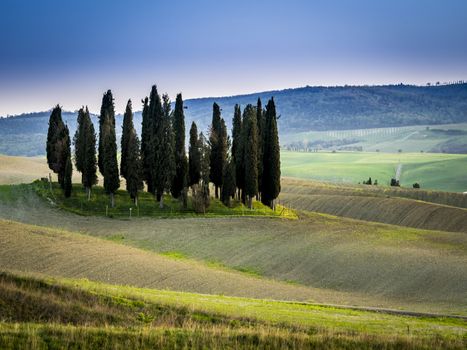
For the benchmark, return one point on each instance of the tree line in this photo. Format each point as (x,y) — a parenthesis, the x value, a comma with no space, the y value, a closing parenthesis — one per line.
(244,166)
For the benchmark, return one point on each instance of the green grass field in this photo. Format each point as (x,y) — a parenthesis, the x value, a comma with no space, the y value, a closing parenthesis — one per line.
(74,313)
(437,171)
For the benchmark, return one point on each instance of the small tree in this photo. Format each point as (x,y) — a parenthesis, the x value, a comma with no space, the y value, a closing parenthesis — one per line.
(416,185)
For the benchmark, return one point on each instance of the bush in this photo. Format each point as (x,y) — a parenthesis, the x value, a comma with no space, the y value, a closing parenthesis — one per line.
(416,185)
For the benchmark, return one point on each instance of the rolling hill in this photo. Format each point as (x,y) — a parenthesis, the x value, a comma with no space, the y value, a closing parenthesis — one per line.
(301,109)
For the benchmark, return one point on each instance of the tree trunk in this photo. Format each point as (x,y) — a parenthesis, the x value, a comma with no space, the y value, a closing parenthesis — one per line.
(161,202)
(136,200)
(112,200)
(217,192)
(250,202)
(88,192)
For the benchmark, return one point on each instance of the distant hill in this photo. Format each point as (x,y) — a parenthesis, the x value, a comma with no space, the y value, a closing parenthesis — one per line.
(301,109)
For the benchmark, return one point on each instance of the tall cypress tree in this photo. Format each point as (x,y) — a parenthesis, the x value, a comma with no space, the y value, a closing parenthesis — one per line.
(85,150)
(108,164)
(237,149)
(107,112)
(146,149)
(260,127)
(133,177)
(179,183)
(56,144)
(127,128)
(194,157)
(164,169)
(250,137)
(218,144)
(271,185)
(155,147)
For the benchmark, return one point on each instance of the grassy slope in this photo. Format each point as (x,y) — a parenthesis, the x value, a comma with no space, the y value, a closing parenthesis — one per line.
(373,203)
(435,171)
(67,312)
(369,264)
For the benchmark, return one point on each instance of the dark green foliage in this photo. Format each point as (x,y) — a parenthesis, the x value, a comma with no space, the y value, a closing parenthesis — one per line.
(228,183)
(107,113)
(181,164)
(395,182)
(147,152)
(416,185)
(131,165)
(260,126)
(85,150)
(237,148)
(201,198)
(127,128)
(108,164)
(218,144)
(134,181)
(57,142)
(194,157)
(271,184)
(67,185)
(164,166)
(250,137)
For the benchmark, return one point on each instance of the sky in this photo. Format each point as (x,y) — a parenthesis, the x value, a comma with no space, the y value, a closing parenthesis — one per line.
(70,52)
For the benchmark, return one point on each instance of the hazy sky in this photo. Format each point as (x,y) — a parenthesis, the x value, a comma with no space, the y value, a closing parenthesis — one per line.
(70,51)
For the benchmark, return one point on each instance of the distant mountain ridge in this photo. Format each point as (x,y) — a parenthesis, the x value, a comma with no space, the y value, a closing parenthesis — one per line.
(301,109)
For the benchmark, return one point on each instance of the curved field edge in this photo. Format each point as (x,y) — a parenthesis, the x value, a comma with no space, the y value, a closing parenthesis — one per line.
(87,313)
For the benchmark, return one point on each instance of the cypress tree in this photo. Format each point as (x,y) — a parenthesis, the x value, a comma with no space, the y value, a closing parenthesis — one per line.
(218,144)
(260,127)
(67,185)
(164,167)
(108,164)
(134,181)
(127,128)
(271,185)
(228,183)
(85,150)
(201,198)
(250,137)
(107,112)
(146,149)
(56,144)
(155,148)
(194,157)
(179,183)
(237,149)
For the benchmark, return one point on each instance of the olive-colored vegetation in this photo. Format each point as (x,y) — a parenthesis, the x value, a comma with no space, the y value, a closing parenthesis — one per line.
(63,313)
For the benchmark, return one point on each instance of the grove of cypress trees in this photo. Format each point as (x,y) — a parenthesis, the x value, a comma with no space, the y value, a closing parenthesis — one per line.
(127,128)
(218,143)
(85,150)
(56,144)
(108,164)
(237,149)
(164,170)
(250,137)
(271,185)
(179,183)
(194,157)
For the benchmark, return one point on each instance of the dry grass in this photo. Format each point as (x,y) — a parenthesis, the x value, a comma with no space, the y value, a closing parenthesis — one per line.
(82,314)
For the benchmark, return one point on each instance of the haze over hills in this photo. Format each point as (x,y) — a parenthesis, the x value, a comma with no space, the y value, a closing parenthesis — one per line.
(301,109)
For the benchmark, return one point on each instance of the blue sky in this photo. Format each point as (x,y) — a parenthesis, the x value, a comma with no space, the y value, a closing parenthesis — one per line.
(71,51)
